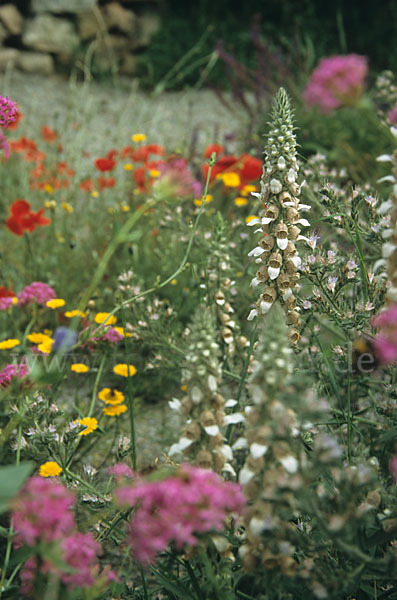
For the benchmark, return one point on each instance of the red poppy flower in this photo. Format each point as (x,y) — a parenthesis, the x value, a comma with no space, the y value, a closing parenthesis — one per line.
(217,148)
(141,179)
(24,219)
(106,182)
(87,185)
(48,134)
(225,163)
(6,292)
(251,168)
(105,164)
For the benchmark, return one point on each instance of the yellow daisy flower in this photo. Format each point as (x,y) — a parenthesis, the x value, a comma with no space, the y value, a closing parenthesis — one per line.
(230,179)
(103,316)
(90,423)
(46,345)
(114,411)
(124,370)
(198,201)
(111,396)
(128,167)
(250,218)
(67,207)
(79,368)
(8,344)
(240,201)
(55,303)
(247,189)
(138,137)
(122,332)
(50,469)
(75,313)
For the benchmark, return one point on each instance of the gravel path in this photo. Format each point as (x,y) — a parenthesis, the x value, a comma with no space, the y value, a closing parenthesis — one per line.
(96,114)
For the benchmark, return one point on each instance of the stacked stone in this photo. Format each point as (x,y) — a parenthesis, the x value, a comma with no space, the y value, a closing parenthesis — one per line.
(276,252)
(202,441)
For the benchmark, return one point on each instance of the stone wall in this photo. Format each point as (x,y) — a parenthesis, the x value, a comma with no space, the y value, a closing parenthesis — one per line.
(85,36)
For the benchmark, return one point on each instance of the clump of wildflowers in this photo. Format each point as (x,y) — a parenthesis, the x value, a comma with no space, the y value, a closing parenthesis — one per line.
(36,292)
(202,440)
(276,253)
(9,371)
(337,81)
(8,111)
(178,508)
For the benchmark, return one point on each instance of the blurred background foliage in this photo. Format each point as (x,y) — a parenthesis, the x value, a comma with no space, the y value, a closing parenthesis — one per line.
(297,30)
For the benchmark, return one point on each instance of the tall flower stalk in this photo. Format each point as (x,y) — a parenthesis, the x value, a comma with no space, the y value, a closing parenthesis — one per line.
(280,221)
(202,441)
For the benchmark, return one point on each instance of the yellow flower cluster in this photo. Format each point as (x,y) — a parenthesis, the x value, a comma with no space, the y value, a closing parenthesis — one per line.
(8,344)
(114,399)
(44,342)
(50,469)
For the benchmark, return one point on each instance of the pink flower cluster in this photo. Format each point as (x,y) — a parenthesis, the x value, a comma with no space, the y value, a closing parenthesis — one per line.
(191,502)
(8,111)
(336,81)
(386,341)
(176,180)
(36,292)
(10,371)
(120,471)
(42,512)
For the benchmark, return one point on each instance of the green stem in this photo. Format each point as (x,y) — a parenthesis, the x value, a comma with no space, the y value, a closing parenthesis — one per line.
(96,384)
(130,394)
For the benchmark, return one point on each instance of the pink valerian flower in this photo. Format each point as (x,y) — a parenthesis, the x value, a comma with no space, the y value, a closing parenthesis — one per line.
(4,145)
(176,180)
(121,470)
(337,81)
(175,509)
(80,552)
(36,292)
(112,335)
(8,111)
(42,511)
(386,341)
(10,371)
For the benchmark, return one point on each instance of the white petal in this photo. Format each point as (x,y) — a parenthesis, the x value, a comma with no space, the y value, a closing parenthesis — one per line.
(394,131)
(304,222)
(227,452)
(240,443)
(384,158)
(256,251)
(256,195)
(287,294)
(212,430)
(212,383)
(256,526)
(266,220)
(386,178)
(234,418)
(304,207)
(259,230)
(252,315)
(227,468)
(258,450)
(289,203)
(265,307)
(245,475)
(196,395)
(385,207)
(230,403)
(221,543)
(253,222)
(388,249)
(387,233)
(174,450)
(175,404)
(282,244)
(303,237)
(254,282)
(184,443)
(297,261)
(273,273)
(290,464)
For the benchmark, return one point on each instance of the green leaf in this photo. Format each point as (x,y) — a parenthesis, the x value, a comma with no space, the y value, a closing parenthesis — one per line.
(12,477)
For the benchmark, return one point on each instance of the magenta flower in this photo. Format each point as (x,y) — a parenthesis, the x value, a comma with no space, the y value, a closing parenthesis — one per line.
(36,292)
(121,470)
(11,371)
(386,341)
(80,552)
(4,145)
(336,81)
(175,509)
(8,111)
(42,511)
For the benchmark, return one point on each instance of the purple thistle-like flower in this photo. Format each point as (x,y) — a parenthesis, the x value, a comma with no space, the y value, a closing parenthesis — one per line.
(8,111)
(64,339)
